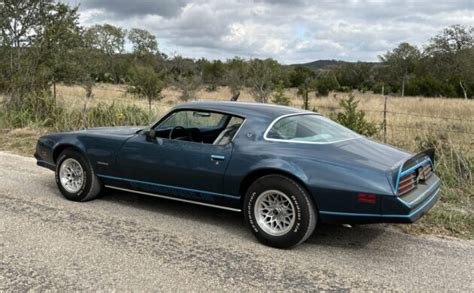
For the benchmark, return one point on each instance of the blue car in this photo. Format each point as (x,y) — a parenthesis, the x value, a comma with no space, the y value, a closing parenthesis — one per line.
(286,169)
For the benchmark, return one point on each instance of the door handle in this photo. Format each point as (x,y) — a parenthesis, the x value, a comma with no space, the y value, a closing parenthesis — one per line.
(217,158)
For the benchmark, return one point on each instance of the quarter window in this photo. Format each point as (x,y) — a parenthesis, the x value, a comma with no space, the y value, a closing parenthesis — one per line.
(309,128)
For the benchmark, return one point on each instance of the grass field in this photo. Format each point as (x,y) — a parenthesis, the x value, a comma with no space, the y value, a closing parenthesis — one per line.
(401,127)
(413,123)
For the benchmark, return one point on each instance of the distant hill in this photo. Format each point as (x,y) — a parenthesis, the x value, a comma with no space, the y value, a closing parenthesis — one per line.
(321,64)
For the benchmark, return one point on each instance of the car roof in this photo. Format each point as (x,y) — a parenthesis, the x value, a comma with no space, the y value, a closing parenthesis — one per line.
(269,111)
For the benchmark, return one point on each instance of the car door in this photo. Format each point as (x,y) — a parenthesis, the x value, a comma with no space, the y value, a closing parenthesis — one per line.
(185,169)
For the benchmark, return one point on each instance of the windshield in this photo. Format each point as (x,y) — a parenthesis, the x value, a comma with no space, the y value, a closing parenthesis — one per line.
(309,128)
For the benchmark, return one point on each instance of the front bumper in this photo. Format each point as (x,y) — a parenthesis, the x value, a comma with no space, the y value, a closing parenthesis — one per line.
(41,160)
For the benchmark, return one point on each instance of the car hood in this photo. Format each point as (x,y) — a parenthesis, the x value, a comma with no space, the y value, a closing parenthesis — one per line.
(123,130)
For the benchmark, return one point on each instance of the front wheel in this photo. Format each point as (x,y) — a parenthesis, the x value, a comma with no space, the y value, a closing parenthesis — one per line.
(279,211)
(75,177)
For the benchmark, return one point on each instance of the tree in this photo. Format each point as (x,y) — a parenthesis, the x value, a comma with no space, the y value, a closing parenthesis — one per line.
(212,73)
(20,22)
(189,86)
(235,74)
(451,40)
(110,40)
(324,84)
(451,52)
(260,76)
(184,76)
(146,83)
(60,37)
(304,79)
(107,38)
(84,66)
(402,61)
(144,43)
(300,75)
(279,95)
(356,75)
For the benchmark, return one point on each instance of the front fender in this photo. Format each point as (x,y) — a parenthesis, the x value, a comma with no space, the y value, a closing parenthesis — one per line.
(100,150)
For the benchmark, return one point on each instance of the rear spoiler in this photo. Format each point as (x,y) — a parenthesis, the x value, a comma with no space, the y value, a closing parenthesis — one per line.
(411,163)
(418,158)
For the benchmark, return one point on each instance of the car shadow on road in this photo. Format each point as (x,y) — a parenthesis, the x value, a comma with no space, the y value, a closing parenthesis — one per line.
(356,237)
(180,210)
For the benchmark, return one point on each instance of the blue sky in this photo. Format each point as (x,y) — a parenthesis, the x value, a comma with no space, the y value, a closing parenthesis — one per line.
(290,31)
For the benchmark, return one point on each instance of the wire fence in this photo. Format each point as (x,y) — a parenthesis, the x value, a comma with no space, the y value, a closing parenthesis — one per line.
(386,115)
(400,113)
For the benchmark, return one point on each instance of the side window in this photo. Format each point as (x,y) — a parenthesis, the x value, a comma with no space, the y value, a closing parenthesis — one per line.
(309,128)
(229,132)
(235,121)
(193,119)
(284,129)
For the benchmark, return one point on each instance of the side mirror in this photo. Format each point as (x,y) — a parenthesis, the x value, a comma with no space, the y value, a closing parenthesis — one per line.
(150,133)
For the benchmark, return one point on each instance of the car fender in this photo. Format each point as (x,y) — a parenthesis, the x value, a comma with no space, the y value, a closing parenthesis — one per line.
(65,143)
(262,168)
(281,166)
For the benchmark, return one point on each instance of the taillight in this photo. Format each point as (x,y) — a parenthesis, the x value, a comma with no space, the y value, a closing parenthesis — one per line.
(406,183)
(368,198)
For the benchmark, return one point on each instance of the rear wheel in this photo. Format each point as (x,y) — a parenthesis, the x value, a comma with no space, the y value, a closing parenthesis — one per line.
(75,177)
(279,211)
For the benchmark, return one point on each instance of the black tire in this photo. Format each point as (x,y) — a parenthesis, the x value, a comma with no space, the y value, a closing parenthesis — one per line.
(305,212)
(91,186)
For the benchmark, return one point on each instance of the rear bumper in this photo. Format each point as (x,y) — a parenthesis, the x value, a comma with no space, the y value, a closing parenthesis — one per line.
(397,210)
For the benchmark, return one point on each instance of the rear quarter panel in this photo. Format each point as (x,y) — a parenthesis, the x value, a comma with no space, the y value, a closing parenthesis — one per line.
(325,169)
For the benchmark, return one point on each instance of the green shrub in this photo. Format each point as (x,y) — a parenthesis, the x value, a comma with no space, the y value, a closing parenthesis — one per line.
(353,118)
(116,115)
(324,85)
(34,109)
(377,88)
(279,95)
(41,110)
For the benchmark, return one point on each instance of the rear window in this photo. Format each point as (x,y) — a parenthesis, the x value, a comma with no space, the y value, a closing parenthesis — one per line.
(309,128)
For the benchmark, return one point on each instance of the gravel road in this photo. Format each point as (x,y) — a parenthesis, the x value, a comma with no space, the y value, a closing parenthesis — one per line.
(131,242)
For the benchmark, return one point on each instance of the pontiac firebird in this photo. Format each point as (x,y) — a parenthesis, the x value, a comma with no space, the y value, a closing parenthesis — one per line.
(286,169)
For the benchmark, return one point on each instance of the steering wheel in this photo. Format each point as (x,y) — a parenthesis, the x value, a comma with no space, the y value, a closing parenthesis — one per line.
(170,136)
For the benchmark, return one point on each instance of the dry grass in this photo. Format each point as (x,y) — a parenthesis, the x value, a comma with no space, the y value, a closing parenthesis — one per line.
(21,141)
(409,119)
(401,129)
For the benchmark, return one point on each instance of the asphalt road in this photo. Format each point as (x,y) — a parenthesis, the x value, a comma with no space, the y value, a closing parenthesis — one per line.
(131,242)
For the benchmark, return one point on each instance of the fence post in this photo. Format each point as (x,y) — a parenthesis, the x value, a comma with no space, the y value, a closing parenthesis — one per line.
(384,115)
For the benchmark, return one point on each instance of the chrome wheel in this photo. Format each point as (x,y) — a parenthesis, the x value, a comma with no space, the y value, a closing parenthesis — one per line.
(71,175)
(274,212)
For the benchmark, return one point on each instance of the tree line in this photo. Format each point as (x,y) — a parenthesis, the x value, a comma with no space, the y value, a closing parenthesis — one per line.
(42,44)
